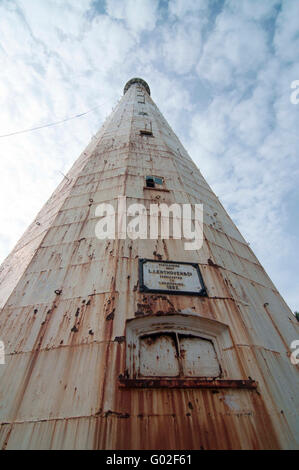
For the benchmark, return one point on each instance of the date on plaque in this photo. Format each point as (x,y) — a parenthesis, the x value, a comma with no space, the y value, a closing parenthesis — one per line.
(170,277)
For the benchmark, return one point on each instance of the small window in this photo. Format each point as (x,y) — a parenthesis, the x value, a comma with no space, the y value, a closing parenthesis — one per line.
(146,132)
(175,346)
(142,113)
(177,355)
(151,181)
(181,351)
(148,129)
(158,180)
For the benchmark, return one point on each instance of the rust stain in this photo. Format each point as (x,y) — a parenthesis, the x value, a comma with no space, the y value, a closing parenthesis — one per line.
(188,383)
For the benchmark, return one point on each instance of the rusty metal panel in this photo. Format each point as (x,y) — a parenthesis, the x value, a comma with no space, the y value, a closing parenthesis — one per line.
(198,357)
(170,356)
(158,356)
(187,383)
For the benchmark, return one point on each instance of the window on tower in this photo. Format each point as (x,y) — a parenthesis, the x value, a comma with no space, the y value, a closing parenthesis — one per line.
(146,132)
(177,355)
(152,181)
(148,129)
(141,99)
(180,351)
(174,346)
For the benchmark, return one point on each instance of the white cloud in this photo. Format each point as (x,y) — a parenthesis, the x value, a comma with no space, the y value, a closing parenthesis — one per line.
(178,54)
(254,9)
(53,22)
(286,38)
(180,8)
(139,16)
(236,47)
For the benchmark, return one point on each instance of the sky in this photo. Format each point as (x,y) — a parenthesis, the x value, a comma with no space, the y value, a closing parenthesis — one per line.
(220,71)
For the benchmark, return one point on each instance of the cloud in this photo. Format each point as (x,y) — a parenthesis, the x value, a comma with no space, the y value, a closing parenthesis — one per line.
(55,22)
(286,38)
(254,9)
(235,49)
(180,8)
(179,56)
(245,141)
(139,16)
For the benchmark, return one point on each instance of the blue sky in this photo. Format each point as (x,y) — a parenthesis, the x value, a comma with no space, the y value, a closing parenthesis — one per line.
(220,72)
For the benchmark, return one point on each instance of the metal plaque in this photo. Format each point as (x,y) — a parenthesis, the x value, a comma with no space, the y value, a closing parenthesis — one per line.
(170,277)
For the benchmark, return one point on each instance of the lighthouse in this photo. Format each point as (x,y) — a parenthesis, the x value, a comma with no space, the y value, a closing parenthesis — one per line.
(134,315)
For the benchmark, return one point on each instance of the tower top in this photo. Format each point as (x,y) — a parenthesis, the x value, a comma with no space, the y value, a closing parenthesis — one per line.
(137,80)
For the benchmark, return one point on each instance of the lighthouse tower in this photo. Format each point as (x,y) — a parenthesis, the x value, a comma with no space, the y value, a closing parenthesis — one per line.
(135,341)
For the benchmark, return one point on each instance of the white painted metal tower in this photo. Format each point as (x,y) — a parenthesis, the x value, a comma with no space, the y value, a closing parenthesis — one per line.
(100,353)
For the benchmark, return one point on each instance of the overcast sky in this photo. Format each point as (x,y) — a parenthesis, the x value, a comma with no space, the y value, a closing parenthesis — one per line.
(219,70)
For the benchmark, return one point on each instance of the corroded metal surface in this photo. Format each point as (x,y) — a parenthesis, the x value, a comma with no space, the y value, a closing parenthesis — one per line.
(67,296)
(193,383)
